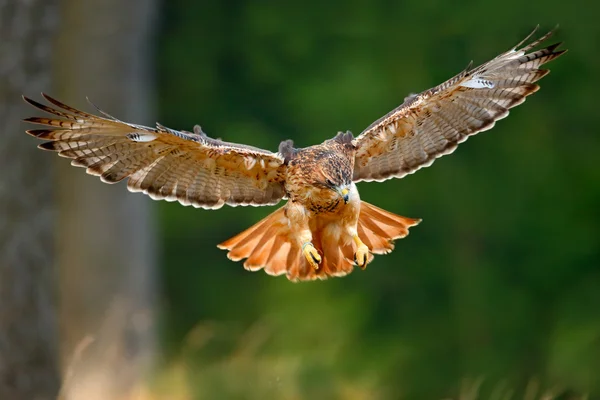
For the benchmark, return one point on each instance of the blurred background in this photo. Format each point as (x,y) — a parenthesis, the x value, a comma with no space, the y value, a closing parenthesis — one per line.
(105,294)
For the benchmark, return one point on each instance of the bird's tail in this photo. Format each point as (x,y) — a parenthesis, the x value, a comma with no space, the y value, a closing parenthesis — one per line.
(378,228)
(269,245)
(266,245)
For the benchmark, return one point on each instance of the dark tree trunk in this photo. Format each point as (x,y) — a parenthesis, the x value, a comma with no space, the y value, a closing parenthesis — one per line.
(28,351)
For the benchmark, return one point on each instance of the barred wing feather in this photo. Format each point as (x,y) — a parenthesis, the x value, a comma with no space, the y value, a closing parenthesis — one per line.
(431,124)
(191,168)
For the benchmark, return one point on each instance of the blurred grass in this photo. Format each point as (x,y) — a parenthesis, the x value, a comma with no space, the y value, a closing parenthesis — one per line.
(250,371)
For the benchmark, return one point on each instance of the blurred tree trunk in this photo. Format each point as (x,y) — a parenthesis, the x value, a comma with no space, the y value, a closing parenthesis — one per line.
(28,353)
(106,249)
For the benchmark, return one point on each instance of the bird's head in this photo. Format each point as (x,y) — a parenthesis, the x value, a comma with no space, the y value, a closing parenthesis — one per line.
(338,186)
(343,191)
(336,176)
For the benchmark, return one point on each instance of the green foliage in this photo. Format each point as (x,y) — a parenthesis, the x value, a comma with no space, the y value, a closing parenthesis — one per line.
(502,278)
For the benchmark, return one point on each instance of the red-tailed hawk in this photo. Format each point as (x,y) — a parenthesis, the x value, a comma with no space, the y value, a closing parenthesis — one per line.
(324,229)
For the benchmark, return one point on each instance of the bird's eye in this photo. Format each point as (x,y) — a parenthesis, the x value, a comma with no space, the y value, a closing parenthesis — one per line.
(329,182)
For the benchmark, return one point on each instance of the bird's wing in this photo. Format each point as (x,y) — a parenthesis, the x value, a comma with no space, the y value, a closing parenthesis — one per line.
(165,164)
(432,123)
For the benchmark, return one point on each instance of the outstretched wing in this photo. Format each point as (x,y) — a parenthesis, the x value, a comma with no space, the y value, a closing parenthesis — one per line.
(165,164)
(433,123)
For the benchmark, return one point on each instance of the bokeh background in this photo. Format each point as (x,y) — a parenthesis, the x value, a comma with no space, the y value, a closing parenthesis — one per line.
(498,286)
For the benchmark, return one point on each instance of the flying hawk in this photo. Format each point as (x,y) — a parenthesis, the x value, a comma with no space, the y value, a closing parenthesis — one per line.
(324,229)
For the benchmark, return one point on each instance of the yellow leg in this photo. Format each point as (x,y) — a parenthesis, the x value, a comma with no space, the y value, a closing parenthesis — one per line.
(362,252)
(311,254)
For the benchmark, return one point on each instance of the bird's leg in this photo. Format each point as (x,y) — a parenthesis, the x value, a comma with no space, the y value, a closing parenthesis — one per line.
(350,222)
(362,252)
(298,218)
(311,254)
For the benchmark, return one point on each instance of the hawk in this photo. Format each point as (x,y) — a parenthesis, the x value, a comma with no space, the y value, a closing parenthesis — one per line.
(324,229)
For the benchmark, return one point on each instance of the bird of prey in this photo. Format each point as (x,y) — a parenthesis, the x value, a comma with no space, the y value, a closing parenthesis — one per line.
(324,229)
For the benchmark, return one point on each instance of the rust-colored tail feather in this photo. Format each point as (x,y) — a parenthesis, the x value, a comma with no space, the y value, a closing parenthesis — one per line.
(379,228)
(268,244)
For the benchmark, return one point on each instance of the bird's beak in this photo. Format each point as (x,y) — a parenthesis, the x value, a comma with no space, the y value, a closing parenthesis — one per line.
(345,195)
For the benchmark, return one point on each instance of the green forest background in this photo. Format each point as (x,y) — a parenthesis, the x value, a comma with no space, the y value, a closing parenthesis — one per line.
(499,283)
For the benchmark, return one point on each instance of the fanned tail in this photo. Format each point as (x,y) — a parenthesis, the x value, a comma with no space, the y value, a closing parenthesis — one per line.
(265,245)
(378,228)
(269,244)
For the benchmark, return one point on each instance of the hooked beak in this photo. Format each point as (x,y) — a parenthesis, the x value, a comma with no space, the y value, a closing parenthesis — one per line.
(345,195)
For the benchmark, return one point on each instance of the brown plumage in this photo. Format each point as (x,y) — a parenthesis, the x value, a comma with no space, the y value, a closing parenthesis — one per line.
(324,229)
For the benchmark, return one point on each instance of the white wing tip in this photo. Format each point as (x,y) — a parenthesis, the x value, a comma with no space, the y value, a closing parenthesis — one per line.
(141,137)
(478,83)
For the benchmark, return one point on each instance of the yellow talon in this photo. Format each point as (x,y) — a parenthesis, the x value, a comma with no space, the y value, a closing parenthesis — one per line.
(362,253)
(311,254)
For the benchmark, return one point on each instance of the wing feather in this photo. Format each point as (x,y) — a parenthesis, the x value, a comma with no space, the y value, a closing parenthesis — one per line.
(191,168)
(431,124)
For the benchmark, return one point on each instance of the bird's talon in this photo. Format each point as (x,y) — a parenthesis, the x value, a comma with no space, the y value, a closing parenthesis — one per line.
(312,255)
(361,256)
